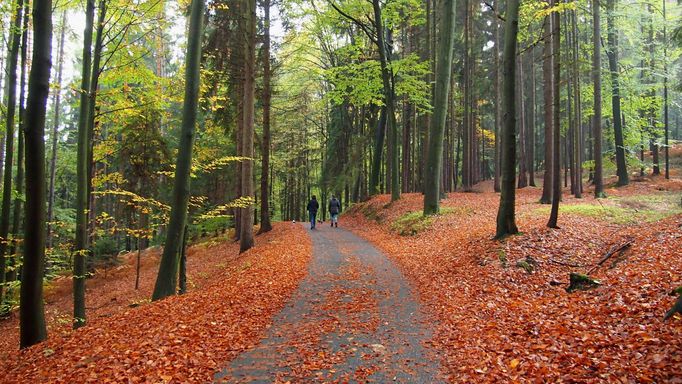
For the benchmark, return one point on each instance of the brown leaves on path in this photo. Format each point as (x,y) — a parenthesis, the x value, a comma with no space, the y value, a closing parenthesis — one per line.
(498,323)
(180,339)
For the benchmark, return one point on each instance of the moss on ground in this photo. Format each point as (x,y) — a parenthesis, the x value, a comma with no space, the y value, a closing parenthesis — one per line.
(415,222)
(626,210)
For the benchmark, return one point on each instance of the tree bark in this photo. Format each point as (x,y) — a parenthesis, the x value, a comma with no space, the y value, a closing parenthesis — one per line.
(11,103)
(246,225)
(434,165)
(612,53)
(556,96)
(166,280)
(546,197)
(598,177)
(506,222)
(55,132)
(265,224)
(16,216)
(31,310)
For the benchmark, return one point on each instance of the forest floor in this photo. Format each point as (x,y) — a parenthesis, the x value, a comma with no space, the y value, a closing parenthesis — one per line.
(502,310)
(231,300)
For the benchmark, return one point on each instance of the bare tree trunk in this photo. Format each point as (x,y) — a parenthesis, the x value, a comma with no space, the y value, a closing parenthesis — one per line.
(55,132)
(265,225)
(596,83)
(549,120)
(556,96)
(246,225)
(31,310)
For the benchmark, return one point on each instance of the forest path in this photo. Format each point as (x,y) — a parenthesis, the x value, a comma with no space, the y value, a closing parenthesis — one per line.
(353,318)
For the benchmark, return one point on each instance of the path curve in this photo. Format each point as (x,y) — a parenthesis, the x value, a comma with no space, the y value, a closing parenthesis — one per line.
(353,318)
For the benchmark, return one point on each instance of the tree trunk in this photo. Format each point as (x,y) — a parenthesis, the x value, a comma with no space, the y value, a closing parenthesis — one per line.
(18,200)
(379,136)
(55,132)
(246,225)
(498,106)
(389,99)
(166,281)
(596,83)
(555,99)
(11,103)
(434,165)
(612,53)
(521,122)
(531,123)
(666,127)
(546,197)
(31,310)
(265,225)
(506,222)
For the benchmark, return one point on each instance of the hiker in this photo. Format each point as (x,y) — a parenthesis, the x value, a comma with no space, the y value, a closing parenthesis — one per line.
(334,209)
(312,208)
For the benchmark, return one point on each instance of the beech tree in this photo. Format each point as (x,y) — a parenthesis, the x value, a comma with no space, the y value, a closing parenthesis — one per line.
(434,165)
(32,312)
(167,278)
(506,222)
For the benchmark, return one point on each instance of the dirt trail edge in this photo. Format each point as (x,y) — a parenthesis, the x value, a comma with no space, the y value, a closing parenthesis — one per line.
(353,318)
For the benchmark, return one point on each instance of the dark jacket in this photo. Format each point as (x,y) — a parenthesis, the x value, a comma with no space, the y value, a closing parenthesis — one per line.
(334,206)
(313,206)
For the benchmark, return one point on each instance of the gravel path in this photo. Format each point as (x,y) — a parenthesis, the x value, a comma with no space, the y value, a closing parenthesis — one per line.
(354,318)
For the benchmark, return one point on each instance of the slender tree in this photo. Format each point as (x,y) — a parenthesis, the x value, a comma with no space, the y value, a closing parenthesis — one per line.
(31,310)
(666,126)
(167,278)
(19,182)
(612,53)
(248,105)
(506,222)
(434,165)
(265,225)
(56,109)
(548,54)
(556,131)
(596,84)
(11,103)
(81,245)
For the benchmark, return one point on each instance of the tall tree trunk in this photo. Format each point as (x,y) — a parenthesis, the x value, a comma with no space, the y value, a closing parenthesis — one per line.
(596,84)
(265,225)
(521,122)
(556,98)
(434,165)
(498,106)
(506,222)
(81,245)
(31,310)
(55,132)
(531,123)
(246,225)
(578,142)
(612,53)
(18,200)
(166,280)
(666,127)
(379,136)
(389,99)
(11,103)
(546,197)
(467,137)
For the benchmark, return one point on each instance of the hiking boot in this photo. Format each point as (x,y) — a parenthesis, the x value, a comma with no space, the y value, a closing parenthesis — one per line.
(336,225)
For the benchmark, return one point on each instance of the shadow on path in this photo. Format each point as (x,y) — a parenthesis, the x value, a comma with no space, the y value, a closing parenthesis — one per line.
(354,318)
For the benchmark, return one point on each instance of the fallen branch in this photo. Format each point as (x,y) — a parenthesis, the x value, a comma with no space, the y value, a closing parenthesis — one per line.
(566,264)
(614,250)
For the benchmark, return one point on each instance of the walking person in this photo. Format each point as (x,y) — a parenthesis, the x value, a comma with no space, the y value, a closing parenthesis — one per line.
(312,208)
(334,210)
